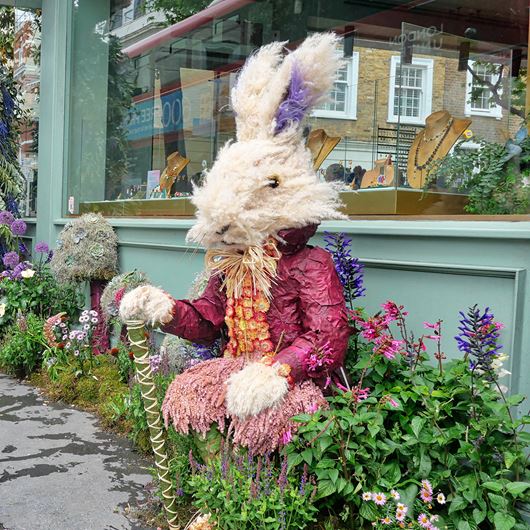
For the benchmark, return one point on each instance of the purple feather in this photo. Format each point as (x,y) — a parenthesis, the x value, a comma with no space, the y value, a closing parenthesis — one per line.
(296,103)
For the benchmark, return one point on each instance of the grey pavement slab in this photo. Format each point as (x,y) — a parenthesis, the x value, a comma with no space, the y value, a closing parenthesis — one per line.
(59,470)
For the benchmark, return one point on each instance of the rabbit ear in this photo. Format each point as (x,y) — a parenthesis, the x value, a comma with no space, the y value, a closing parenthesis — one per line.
(258,92)
(313,68)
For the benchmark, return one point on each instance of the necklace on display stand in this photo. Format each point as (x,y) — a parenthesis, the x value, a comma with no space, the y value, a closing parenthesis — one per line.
(423,140)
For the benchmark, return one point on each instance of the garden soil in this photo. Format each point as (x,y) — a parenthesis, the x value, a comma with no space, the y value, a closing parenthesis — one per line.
(60,471)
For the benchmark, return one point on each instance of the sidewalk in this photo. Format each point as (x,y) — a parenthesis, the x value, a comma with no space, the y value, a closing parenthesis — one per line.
(59,470)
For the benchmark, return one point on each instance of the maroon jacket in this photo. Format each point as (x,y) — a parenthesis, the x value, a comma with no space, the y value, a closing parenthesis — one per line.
(307,306)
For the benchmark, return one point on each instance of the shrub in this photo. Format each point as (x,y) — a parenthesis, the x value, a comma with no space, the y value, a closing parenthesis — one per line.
(39,293)
(22,350)
(405,420)
(243,492)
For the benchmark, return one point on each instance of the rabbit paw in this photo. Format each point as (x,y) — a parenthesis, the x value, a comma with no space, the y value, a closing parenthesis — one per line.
(253,389)
(147,303)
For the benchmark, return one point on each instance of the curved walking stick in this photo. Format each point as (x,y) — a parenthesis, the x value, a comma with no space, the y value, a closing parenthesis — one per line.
(157,433)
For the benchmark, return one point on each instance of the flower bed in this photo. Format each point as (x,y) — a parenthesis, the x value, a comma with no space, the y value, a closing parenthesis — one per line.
(408,440)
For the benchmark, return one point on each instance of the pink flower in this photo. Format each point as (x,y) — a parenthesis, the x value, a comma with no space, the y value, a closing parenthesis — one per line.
(423,520)
(426,485)
(387,346)
(342,387)
(400,515)
(379,498)
(361,394)
(119,295)
(393,403)
(286,437)
(386,520)
(435,326)
(391,311)
(426,496)
(312,408)
(499,325)
(373,327)
(435,338)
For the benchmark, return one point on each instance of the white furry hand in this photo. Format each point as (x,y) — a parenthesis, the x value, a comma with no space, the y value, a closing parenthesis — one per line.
(147,303)
(254,389)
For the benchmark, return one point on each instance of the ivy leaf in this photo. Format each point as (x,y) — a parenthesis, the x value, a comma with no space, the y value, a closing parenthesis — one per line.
(516,488)
(503,521)
(417,425)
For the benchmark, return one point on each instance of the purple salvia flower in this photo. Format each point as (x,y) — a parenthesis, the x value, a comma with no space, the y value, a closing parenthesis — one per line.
(11,259)
(23,249)
(478,338)
(282,479)
(296,103)
(349,269)
(49,257)
(18,227)
(303,482)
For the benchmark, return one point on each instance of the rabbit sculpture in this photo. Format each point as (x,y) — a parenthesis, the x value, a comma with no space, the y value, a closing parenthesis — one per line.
(278,301)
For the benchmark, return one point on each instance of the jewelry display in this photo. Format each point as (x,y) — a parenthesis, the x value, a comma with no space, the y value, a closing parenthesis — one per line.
(434,142)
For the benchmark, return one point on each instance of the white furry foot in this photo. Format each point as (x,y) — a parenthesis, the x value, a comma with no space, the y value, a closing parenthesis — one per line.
(147,303)
(254,389)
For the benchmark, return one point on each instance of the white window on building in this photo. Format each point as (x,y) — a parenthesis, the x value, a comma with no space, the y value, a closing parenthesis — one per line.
(479,101)
(410,91)
(342,101)
(128,14)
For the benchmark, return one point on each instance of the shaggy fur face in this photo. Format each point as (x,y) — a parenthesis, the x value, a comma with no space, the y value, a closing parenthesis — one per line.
(265,182)
(257,188)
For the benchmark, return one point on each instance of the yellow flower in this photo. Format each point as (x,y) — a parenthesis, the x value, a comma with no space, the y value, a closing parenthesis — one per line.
(28,273)
(468,133)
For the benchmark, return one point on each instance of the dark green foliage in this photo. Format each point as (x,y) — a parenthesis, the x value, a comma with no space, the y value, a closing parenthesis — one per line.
(22,349)
(41,295)
(494,182)
(450,426)
(176,10)
(242,492)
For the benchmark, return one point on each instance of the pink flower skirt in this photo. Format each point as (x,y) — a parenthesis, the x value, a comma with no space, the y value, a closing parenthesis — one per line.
(196,399)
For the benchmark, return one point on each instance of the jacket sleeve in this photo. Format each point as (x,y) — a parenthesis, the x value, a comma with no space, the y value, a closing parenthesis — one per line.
(199,320)
(323,317)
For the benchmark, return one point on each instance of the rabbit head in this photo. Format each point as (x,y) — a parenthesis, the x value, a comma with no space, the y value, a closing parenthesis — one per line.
(264,181)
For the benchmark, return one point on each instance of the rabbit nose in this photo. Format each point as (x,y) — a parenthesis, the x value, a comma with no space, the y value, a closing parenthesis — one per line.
(223,230)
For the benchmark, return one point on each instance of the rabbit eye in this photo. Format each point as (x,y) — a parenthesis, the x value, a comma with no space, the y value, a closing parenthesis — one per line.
(274,181)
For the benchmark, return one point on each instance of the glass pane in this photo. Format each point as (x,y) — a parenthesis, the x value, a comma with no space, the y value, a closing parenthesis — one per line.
(147,119)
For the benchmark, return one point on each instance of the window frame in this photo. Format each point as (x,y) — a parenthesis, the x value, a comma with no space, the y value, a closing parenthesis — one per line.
(427,66)
(350,102)
(493,112)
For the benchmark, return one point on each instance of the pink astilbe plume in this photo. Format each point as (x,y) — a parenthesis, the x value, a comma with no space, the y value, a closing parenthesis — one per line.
(260,433)
(206,380)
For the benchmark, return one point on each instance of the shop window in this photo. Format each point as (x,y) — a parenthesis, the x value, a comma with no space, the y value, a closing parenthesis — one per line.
(410,93)
(481,82)
(342,102)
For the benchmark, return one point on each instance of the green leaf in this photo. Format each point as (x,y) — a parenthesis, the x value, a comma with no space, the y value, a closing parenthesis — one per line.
(503,521)
(516,488)
(417,424)
(458,503)
(479,515)
(334,475)
(509,459)
(493,486)
(307,455)
(368,511)
(463,525)
(516,399)
(325,488)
